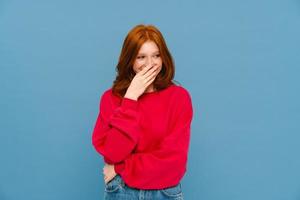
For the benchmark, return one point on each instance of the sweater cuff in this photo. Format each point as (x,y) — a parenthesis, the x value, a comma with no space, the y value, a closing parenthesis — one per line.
(129,103)
(119,168)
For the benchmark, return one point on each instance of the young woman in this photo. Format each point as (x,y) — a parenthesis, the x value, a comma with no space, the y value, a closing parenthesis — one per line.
(143,127)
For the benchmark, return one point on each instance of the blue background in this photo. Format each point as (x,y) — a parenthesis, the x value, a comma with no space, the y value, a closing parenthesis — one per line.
(239,60)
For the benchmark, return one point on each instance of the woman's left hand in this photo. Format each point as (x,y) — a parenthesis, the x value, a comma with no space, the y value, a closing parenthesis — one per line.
(108,172)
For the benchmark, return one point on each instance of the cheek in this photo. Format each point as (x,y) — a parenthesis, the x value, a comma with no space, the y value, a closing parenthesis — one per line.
(159,62)
(160,69)
(137,67)
(138,64)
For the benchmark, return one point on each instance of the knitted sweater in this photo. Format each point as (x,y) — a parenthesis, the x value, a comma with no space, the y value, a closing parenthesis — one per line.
(147,139)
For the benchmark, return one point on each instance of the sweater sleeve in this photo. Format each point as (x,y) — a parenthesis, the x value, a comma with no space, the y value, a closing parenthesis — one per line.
(167,163)
(116,131)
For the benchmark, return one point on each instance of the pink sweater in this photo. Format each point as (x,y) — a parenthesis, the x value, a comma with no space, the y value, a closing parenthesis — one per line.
(147,140)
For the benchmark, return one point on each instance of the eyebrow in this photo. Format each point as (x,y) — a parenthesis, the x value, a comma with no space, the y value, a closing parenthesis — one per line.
(156,52)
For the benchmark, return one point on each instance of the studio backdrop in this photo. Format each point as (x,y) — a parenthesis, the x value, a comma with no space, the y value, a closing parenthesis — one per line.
(239,60)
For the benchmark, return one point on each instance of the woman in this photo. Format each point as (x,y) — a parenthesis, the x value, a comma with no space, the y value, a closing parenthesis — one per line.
(143,127)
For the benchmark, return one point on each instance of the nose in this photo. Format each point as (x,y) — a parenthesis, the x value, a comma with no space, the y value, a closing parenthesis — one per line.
(150,61)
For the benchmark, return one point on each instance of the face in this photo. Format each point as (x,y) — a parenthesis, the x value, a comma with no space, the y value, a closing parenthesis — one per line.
(148,55)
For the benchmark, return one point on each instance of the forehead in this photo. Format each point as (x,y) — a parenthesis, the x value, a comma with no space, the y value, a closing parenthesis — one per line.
(149,47)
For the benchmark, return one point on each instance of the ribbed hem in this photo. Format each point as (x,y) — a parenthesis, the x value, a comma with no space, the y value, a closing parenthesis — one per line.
(129,103)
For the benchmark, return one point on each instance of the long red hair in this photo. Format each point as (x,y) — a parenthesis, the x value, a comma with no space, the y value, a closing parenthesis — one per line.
(131,46)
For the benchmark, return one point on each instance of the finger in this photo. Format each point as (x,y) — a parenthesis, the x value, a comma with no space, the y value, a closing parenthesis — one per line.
(106,180)
(150,79)
(150,72)
(154,71)
(145,69)
(150,82)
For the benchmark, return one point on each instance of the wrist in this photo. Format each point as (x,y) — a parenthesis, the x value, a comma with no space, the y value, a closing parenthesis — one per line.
(131,96)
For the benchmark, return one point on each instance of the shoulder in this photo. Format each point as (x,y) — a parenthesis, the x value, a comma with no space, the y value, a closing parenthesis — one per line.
(180,98)
(108,96)
(180,93)
(181,101)
(107,92)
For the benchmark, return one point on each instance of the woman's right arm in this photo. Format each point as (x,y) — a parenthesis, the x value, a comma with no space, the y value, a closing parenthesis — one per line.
(116,131)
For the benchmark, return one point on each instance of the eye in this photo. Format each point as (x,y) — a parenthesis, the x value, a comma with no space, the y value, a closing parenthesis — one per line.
(140,57)
(157,55)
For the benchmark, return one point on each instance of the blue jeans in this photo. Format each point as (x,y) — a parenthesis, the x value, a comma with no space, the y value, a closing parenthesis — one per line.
(117,189)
